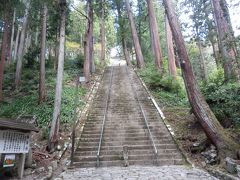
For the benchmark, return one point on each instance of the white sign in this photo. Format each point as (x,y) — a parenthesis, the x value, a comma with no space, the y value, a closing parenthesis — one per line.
(14,142)
(82,79)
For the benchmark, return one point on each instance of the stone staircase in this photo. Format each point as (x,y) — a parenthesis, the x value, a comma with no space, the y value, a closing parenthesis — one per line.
(125,126)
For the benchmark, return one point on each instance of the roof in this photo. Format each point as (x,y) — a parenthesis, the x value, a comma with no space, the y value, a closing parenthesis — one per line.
(17,125)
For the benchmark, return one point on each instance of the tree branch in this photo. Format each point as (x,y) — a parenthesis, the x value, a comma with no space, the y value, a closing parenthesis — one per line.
(81,13)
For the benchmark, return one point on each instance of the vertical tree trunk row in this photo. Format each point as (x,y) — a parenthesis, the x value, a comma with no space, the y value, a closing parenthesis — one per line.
(16,44)
(227,41)
(122,35)
(137,47)
(155,42)
(21,46)
(171,56)
(203,113)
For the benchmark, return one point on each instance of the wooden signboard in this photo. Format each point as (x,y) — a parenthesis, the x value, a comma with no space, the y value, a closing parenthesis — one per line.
(14,142)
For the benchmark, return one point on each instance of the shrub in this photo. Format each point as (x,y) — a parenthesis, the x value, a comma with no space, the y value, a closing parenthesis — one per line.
(223,98)
(156,80)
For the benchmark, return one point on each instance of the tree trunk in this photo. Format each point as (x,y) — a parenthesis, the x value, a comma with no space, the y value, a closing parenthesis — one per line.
(215,53)
(137,47)
(122,34)
(53,136)
(16,45)
(12,37)
(42,88)
(202,63)
(3,51)
(227,41)
(21,46)
(203,113)
(90,38)
(156,46)
(102,32)
(171,56)
(126,52)
(87,44)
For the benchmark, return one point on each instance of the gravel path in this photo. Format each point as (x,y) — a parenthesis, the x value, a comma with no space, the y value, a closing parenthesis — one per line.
(137,173)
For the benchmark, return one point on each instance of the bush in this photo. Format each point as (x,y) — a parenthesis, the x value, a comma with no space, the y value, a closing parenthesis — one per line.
(164,87)
(223,98)
(156,80)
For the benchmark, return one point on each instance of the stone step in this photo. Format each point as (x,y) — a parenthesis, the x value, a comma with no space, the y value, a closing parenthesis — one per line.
(124,132)
(130,147)
(137,138)
(132,152)
(121,143)
(119,128)
(97,135)
(162,162)
(119,156)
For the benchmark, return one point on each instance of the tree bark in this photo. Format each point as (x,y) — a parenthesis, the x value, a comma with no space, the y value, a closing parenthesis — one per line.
(155,42)
(171,56)
(53,136)
(90,38)
(227,41)
(126,52)
(203,113)
(16,45)
(21,46)
(137,47)
(103,32)
(42,88)
(202,63)
(87,44)
(3,51)
(12,37)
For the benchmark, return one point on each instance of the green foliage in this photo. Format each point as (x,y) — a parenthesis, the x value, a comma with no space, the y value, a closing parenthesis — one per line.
(168,90)
(224,99)
(157,80)
(25,100)
(31,55)
(80,60)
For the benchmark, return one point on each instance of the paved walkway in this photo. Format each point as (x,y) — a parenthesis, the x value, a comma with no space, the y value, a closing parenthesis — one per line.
(137,173)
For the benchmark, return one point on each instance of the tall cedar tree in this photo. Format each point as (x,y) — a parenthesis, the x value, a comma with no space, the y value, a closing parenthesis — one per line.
(4,49)
(21,45)
(205,116)
(137,47)
(42,88)
(227,40)
(172,69)
(53,136)
(156,47)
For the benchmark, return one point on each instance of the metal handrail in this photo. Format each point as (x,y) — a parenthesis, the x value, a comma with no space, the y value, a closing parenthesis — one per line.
(104,118)
(144,115)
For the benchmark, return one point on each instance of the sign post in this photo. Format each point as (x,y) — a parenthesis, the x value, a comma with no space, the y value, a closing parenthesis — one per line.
(15,138)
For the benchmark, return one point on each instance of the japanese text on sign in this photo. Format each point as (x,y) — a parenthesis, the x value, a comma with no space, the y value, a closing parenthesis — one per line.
(14,142)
